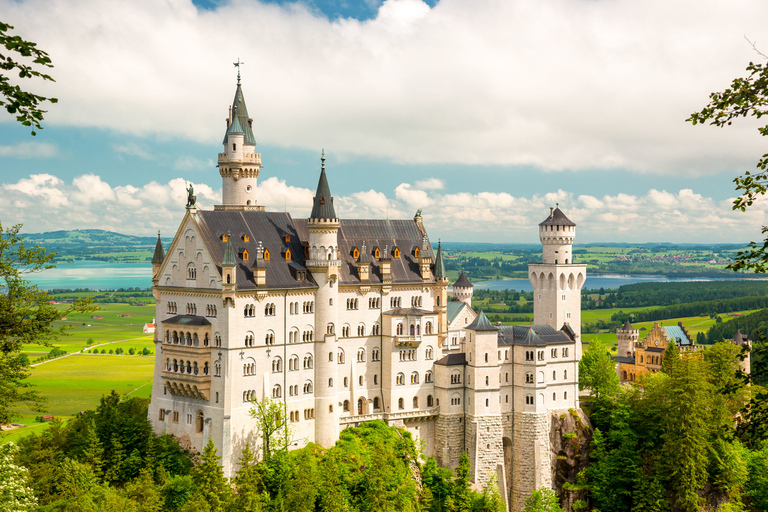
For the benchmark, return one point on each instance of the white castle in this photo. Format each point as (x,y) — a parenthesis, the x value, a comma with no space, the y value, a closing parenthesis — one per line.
(347,321)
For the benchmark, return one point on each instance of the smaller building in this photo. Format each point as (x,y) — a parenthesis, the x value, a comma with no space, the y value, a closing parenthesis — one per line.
(150,327)
(638,357)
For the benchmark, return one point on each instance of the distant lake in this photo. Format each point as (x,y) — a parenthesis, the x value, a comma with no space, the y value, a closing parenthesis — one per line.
(96,275)
(593,282)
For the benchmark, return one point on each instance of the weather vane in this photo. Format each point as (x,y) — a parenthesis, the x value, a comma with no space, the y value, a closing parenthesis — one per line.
(322,159)
(237,65)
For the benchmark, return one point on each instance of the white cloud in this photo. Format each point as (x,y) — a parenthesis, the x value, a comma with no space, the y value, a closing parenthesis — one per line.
(133,149)
(30,150)
(430,184)
(189,163)
(44,202)
(560,84)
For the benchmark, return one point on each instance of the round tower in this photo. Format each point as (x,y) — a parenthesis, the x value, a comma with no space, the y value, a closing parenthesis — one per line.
(557,234)
(324,264)
(627,337)
(462,290)
(239,165)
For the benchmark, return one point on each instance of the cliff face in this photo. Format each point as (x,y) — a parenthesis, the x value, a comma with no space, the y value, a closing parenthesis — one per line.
(570,437)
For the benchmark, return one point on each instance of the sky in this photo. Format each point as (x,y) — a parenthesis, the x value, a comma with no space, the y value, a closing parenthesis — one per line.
(483,113)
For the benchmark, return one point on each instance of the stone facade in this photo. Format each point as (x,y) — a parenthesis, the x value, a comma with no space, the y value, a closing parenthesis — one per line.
(531,462)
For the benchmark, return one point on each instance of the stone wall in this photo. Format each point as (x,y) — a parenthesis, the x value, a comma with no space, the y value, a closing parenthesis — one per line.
(486,450)
(449,439)
(570,437)
(531,463)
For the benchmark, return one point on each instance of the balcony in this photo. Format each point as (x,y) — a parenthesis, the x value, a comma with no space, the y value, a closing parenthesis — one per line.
(195,384)
(399,415)
(247,159)
(407,341)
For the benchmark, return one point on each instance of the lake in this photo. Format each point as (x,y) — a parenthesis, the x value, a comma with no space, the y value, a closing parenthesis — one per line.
(101,275)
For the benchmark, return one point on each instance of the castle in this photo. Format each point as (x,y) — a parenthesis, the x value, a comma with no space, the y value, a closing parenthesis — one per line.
(348,320)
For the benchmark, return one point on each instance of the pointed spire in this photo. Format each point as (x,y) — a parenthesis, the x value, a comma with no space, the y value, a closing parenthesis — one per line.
(439,266)
(323,203)
(482,323)
(235,126)
(159,254)
(229,253)
(240,112)
(363,258)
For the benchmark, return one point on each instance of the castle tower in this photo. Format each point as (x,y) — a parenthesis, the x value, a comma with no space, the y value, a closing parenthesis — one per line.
(239,164)
(557,282)
(324,264)
(462,290)
(441,296)
(483,433)
(627,337)
(157,259)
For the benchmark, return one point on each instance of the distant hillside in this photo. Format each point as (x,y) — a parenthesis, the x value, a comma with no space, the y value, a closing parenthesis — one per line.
(95,244)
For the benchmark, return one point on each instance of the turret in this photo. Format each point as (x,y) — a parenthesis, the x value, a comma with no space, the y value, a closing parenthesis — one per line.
(239,164)
(557,234)
(425,259)
(324,264)
(157,259)
(627,336)
(462,289)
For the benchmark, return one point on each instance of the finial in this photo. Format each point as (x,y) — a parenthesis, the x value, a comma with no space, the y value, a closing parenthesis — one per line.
(237,65)
(322,160)
(158,233)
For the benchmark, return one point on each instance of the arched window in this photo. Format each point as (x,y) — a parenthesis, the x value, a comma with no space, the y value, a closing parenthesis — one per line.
(361,355)
(293,363)
(329,329)
(428,376)
(375,354)
(199,422)
(340,357)
(428,328)
(399,329)
(400,379)
(346,406)
(429,401)
(400,404)
(277,391)
(308,362)
(277,365)
(415,402)
(308,387)
(376,402)
(415,378)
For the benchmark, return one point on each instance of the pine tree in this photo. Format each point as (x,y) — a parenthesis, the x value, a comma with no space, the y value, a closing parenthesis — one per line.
(143,493)
(670,358)
(209,480)
(249,488)
(93,453)
(490,498)
(114,460)
(460,493)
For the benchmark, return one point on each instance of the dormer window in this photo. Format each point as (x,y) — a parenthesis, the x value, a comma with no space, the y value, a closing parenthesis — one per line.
(224,238)
(395,252)
(246,238)
(355,253)
(376,253)
(287,238)
(306,251)
(322,200)
(416,252)
(244,255)
(266,254)
(287,254)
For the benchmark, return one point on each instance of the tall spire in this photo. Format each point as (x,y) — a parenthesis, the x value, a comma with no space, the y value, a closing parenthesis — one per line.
(322,207)
(439,266)
(229,253)
(159,255)
(240,113)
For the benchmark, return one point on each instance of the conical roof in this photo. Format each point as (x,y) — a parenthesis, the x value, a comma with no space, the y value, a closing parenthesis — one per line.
(322,207)
(738,337)
(627,326)
(238,107)
(463,282)
(439,266)
(481,323)
(557,218)
(159,255)
(229,254)
(235,126)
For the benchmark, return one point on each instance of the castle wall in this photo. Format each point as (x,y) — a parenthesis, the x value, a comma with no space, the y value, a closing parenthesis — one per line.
(531,464)
(449,439)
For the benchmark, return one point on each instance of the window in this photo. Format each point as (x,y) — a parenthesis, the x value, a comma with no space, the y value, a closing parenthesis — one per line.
(565,352)
(308,336)
(529,355)
(428,376)
(329,329)
(374,303)
(554,397)
(375,330)
(399,329)
(352,304)
(277,365)
(308,307)
(308,387)
(361,330)
(541,355)
(415,378)
(191,271)
(277,391)
(400,379)
(345,331)
(528,399)
(428,354)
(217,340)
(269,339)
(401,404)
(554,375)
(375,354)
(346,382)
(375,379)
(266,255)
(361,355)
(340,356)
(191,309)
(565,395)
(199,422)
(376,402)
(293,363)
(456,377)
(553,353)
(565,374)
(455,400)
(175,416)
(249,340)
(430,401)
(162,414)
(360,380)
(345,406)
(269,309)
(308,362)
(529,378)
(428,328)
(210,310)
(415,402)
(395,252)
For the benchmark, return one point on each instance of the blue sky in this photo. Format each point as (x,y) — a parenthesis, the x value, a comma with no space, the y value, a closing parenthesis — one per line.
(483,113)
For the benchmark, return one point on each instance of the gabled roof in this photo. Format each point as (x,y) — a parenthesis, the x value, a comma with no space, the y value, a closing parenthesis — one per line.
(557,218)
(481,323)
(238,104)
(322,207)
(463,281)
(439,266)
(454,308)
(533,335)
(159,254)
(187,320)
(455,359)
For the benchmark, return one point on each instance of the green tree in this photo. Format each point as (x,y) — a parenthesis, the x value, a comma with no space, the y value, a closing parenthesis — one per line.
(25,105)
(15,494)
(542,500)
(757,482)
(490,498)
(176,491)
(250,495)
(460,492)
(671,358)
(597,371)
(272,424)
(143,493)
(25,318)
(209,480)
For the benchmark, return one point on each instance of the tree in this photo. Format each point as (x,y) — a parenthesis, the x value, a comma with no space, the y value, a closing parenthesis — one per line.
(249,487)
(542,500)
(597,371)
(15,495)
(209,479)
(25,105)
(25,318)
(272,423)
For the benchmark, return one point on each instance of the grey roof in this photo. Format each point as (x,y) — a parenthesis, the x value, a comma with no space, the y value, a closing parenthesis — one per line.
(676,333)
(376,233)
(322,207)
(739,338)
(623,359)
(159,254)
(271,227)
(187,320)
(481,323)
(654,349)
(229,253)
(238,104)
(463,282)
(557,218)
(234,126)
(407,311)
(455,359)
(533,335)
(454,308)
(439,266)
(627,326)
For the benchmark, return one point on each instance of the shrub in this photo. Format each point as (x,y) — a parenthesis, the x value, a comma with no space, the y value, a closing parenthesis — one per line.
(131,351)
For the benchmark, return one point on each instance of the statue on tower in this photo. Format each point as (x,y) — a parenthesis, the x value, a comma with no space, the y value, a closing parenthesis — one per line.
(191,197)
